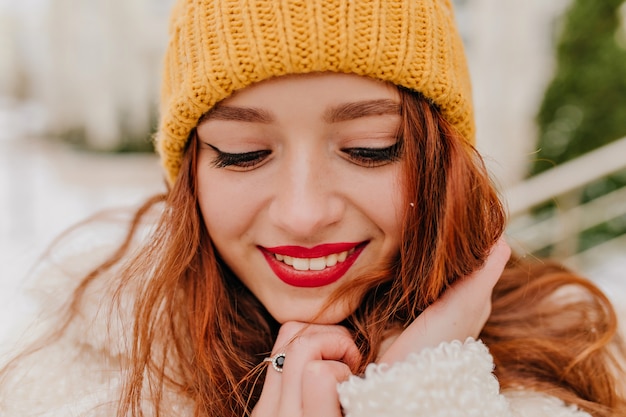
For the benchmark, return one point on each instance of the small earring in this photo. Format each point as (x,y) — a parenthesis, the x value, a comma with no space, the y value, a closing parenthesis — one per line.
(412,204)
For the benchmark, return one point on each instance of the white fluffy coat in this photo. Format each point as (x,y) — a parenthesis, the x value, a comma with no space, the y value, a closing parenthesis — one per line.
(80,375)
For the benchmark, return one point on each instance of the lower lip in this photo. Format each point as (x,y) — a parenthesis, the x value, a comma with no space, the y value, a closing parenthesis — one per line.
(311,279)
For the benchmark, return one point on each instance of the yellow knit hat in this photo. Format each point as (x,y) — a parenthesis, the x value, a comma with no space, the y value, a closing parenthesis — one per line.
(219,46)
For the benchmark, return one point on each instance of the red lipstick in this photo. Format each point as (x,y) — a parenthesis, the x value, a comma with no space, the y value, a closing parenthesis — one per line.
(310,278)
(314,252)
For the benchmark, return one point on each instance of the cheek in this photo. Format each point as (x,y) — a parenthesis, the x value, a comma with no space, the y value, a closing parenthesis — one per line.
(390,210)
(385,203)
(229,206)
(211,209)
(217,206)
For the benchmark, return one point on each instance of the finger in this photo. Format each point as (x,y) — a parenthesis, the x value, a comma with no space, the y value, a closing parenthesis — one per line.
(270,399)
(315,343)
(319,388)
(270,395)
(468,302)
(494,264)
(332,346)
(292,335)
(460,313)
(479,284)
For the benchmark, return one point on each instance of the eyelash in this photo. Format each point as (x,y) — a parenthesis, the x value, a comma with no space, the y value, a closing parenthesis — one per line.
(374,157)
(367,157)
(245,160)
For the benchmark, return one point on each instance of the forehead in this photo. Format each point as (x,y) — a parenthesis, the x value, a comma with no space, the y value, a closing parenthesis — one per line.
(336,97)
(314,87)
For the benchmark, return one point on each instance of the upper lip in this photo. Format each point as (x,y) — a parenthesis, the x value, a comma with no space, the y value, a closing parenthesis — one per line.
(314,252)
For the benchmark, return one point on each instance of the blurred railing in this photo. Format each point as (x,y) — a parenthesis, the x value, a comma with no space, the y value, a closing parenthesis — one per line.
(563,185)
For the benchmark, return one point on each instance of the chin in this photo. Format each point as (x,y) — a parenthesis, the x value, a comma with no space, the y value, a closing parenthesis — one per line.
(331,315)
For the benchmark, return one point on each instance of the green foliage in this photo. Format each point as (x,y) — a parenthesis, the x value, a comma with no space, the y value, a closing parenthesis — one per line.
(585,105)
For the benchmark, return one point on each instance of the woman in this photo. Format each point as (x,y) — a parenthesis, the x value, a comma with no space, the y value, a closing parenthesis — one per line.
(329,223)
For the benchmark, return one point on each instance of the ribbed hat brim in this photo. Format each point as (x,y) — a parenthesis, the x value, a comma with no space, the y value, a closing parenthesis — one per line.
(218,47)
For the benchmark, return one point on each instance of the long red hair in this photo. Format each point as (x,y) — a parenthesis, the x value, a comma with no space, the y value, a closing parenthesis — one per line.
(198,332)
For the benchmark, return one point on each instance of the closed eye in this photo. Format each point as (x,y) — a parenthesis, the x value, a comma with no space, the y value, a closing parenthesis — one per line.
(243,161)
(374,157)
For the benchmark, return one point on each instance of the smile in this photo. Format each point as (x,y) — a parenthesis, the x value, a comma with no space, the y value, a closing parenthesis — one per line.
(312,267)
(314,264)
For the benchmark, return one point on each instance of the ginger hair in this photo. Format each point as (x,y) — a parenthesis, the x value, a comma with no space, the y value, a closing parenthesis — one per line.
(199,332)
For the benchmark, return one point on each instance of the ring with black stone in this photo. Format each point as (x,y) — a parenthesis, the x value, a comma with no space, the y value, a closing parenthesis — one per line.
(277,361)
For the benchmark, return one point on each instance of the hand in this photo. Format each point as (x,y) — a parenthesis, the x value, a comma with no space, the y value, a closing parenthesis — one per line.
(317,357)
(461,312)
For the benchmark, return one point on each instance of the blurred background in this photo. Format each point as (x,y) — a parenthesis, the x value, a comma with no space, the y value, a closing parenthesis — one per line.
(79,88)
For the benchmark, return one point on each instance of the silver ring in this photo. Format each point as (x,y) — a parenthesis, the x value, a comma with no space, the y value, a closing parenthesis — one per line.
(277,361)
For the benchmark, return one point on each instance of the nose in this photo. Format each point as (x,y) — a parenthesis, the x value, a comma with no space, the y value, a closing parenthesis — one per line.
(306,199)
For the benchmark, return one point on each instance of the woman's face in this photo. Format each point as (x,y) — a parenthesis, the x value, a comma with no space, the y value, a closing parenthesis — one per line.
(299,183)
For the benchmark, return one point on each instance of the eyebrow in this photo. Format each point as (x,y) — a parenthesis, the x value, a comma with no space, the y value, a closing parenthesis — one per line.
(339,113)
(358,109)
(238,114)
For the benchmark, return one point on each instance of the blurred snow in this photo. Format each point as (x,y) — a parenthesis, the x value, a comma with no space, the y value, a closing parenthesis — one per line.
(46,187)
(94,65)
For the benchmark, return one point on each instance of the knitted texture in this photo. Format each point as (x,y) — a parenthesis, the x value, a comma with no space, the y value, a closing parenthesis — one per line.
(220,46)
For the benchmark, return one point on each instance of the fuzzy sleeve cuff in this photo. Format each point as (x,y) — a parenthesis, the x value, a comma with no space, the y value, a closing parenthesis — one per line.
(453,379)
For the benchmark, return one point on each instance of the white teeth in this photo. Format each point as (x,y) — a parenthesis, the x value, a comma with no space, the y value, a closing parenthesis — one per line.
(314,264)
(317,264)
(301,264)
(331,260)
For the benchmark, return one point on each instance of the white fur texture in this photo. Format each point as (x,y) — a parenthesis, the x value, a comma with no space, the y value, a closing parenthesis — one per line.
(454,379)
(80,375)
